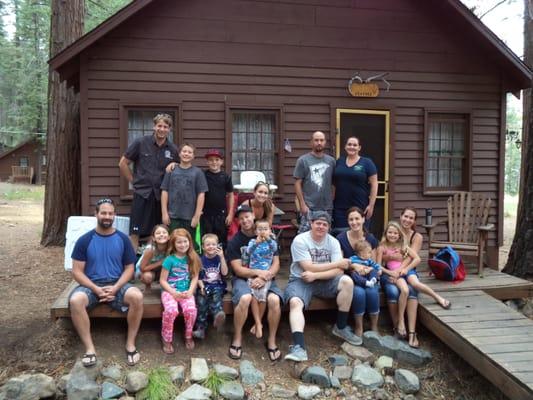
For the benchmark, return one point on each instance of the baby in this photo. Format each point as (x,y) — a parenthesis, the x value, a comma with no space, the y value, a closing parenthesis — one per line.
(370,276)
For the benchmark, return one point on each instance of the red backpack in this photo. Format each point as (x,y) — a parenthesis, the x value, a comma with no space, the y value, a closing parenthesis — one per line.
(447,265)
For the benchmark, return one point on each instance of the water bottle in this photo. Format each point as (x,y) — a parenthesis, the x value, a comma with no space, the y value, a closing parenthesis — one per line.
(429,216)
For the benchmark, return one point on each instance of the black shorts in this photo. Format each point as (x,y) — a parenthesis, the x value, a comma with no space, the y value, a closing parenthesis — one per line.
(145,214)
(215,224)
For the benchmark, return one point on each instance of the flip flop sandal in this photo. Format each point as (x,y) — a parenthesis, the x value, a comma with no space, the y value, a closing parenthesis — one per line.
(169,349)
(238,352)
(398,335)
(88,360)
(272,354)
(130,357)
(415,337)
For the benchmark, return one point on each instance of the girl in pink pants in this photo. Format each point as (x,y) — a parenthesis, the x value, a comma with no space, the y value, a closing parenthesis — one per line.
(179,276)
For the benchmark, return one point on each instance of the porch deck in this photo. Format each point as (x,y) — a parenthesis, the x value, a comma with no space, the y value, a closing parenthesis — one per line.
(492,337)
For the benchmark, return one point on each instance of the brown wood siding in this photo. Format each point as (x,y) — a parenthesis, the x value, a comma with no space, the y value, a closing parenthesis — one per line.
(298,55)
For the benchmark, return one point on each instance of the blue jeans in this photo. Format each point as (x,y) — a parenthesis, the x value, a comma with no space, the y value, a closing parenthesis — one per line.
(365,300)
(392,293)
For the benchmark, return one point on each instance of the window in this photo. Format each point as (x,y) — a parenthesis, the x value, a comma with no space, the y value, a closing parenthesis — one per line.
(136,122)
(447,144)
(24,162)
(253,138)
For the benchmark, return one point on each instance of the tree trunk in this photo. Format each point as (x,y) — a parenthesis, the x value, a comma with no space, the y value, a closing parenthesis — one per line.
(62,196)
(520,262)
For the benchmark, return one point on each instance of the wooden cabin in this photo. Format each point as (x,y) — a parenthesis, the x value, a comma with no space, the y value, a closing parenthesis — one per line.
(256,78)
(25,162)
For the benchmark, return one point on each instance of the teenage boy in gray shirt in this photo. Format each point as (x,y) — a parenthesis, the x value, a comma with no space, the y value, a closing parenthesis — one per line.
(314,175)
(183,193)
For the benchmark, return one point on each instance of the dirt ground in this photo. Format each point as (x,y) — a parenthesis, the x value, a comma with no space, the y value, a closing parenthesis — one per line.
(32,277)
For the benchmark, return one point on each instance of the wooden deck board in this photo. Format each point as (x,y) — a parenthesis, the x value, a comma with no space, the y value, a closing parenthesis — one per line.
(481,330)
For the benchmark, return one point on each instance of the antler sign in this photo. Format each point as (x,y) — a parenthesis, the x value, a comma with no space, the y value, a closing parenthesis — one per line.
(359,87)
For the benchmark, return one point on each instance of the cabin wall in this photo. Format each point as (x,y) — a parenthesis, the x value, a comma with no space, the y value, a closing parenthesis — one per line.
(297,56)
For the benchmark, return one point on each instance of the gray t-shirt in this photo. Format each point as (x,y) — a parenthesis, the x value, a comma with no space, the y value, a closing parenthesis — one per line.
(317,175)
(304,248)
(183,187)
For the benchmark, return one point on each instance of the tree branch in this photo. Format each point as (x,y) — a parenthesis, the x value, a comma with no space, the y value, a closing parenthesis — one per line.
(492,8)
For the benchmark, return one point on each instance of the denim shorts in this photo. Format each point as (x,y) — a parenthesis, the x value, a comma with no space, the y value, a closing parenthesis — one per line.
(94,300)
(239,287)
(305,291)
(392,293)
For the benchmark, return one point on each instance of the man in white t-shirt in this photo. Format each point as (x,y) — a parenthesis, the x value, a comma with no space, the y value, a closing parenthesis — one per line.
(317,269)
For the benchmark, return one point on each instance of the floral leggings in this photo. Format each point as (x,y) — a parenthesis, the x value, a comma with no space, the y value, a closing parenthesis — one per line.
(170,312)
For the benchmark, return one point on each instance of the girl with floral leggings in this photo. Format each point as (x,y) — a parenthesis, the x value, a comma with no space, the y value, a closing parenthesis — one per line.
(179,277)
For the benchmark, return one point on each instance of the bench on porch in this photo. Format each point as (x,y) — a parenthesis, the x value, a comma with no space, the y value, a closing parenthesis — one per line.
(21,173)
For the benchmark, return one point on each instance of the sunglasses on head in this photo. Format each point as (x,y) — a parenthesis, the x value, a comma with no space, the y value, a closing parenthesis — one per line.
(105,200)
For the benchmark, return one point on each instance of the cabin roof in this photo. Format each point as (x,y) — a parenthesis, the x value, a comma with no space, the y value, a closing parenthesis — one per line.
(67,61)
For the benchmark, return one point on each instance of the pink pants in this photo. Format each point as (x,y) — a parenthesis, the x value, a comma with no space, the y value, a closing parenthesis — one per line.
(170,312)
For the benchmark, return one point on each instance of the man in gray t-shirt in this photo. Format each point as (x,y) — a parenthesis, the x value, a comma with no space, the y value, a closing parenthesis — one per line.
(314,174)
(317,269)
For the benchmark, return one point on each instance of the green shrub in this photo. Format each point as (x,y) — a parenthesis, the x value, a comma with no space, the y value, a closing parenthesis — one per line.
(160,386)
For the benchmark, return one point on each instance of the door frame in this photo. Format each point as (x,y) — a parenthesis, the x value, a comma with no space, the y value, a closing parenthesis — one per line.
(338,144)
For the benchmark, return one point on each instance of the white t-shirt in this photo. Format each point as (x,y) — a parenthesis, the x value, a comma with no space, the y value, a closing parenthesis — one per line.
(304,248)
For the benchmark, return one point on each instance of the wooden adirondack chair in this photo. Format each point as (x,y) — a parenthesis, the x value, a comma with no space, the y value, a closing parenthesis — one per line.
(468,214)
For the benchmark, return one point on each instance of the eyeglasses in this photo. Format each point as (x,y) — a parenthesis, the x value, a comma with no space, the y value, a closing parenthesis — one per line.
(105,200)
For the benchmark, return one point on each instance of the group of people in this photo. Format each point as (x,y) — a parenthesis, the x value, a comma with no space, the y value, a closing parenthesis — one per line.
(172,196)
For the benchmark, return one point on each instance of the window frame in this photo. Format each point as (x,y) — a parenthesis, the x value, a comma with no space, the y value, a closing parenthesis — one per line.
(125,192)
(279,154)
(467,172)
(27,159)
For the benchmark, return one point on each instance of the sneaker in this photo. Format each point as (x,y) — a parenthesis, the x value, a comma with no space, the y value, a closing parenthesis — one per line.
(219,320)
(347,335)
(296,353)
(199,334)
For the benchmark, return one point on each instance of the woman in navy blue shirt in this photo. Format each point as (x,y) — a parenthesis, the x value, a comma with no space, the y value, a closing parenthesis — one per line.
(356,184)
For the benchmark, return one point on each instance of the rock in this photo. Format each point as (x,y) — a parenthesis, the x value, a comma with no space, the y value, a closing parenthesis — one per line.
(357,352)
(308,392)
(226,372)
(335,382)
(282,393)
(316,375)
(343,372)
(177,374)
(409,397)
(409,355)
(366,377)
(113,372)
(250,376)
(231,390)
(381,394)
(199,369)
(262,386)
(90,373)
(338,359)
(389,380)
(127,398)
(297,369)
(81,387)
(407,381)
(29,387)
(111,391)
(62,383)
(392,347)
(195,392)
(136,381)
(512,304)
(383,362)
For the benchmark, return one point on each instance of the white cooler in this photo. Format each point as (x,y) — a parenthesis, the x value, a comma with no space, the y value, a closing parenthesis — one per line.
(78,225)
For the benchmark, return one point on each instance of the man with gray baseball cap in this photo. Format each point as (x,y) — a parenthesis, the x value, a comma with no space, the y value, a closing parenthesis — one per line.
(317,269)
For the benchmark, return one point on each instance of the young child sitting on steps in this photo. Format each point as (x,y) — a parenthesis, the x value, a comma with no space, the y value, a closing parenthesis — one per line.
(148,267)
(211,285)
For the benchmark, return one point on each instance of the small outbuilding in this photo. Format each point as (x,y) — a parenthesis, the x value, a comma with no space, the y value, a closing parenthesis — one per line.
(256,78)
(25,162)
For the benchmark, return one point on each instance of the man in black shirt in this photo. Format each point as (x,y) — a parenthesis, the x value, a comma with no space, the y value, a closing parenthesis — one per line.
(150,155)
(241,292)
